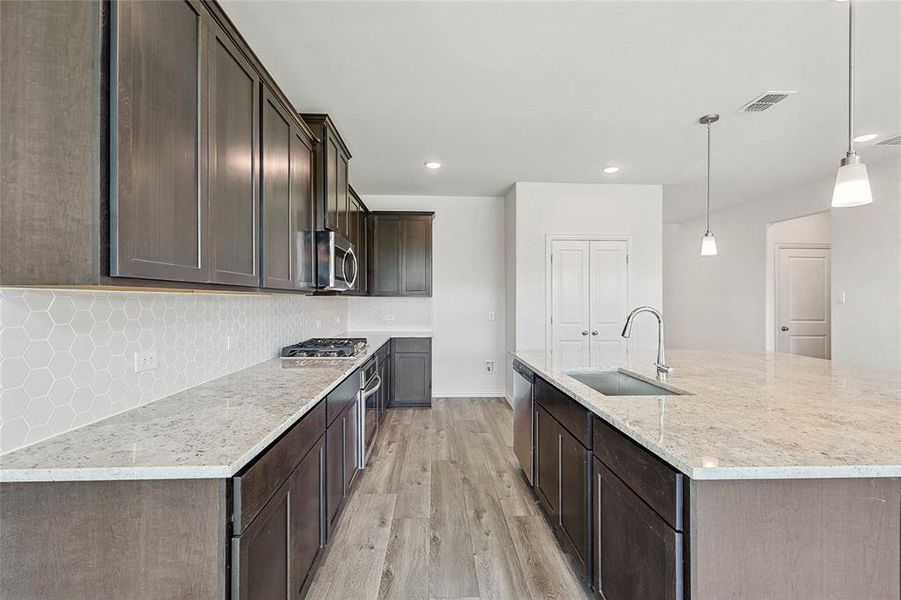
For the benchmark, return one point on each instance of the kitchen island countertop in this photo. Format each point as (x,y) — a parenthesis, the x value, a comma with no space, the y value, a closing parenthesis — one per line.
(754,415)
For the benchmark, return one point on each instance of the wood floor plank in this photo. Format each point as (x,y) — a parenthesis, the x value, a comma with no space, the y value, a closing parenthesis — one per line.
(405,575)
(414,485)
(497,565)
(511,487)
(451,559)
(548,573)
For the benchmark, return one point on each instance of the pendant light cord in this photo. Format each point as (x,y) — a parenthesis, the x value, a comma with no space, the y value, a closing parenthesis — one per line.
(708,177)
(851,77)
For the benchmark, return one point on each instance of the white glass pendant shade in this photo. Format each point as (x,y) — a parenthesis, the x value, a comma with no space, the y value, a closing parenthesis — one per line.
(708,245)
(852,185)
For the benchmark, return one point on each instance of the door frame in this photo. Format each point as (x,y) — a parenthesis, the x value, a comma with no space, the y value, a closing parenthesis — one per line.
(549,240)
(776,300)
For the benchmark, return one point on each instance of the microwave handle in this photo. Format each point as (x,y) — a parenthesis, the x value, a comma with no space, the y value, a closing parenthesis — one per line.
(350,251)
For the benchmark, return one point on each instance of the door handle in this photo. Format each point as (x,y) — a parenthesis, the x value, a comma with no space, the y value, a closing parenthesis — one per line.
(594,333)
(784,328)
(585,332)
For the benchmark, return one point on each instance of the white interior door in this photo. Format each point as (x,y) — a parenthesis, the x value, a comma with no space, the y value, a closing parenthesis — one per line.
(803,301)
(570,306)
(608,295)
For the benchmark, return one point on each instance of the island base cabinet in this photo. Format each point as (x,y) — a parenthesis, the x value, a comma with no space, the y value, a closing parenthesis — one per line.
(274,555)
(637,555)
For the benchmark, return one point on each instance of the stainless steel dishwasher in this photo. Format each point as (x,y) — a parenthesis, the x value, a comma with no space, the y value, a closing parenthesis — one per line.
(523,419)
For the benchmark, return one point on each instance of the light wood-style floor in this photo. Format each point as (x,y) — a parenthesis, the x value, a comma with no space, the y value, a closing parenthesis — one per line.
(442,511)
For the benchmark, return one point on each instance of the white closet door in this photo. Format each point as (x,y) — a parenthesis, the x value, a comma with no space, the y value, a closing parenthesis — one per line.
(608,292)
(570,303)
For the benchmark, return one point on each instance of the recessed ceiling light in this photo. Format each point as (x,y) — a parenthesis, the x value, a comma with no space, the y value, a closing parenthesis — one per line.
(611,170)
(866,137)
(432,165)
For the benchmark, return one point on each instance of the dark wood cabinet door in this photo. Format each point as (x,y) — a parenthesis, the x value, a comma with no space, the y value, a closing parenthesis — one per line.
(302,207)
(416,256)
(159,107)
(278,225)
(331,185)
(412,379)
(307,536)
(638,554)
(575,489)
(233,147)
(343,216)
(351,439)
(547,459)
(261,554)
(334,471)
(385,255)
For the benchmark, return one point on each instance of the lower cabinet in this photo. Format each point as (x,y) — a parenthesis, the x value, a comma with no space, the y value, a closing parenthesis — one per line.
(273,556)
(637,554)
(341,440)
(562,483)
(411,362)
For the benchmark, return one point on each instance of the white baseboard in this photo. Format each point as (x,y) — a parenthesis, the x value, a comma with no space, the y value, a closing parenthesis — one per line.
(472,394)
(509,399)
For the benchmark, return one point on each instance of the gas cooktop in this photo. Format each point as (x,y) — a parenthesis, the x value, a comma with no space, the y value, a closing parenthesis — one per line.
(326,348)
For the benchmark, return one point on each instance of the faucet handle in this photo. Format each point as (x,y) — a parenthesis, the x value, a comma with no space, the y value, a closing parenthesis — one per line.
(664,369)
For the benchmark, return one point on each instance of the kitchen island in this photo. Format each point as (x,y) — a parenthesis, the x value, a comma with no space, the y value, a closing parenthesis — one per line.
(772,476)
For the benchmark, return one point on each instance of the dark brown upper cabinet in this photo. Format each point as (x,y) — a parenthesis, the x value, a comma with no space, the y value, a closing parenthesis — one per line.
(234,167)
(330,175)
(159,158)
(400,253)
(356,234)
(287,198)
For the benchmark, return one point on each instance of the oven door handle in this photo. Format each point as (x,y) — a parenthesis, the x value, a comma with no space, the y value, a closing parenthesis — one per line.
(370,391)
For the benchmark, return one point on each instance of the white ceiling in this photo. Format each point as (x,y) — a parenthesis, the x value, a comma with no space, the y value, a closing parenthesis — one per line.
(553,91)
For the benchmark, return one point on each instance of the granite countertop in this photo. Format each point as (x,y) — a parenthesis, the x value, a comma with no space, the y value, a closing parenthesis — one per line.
(208,431)
(754,415)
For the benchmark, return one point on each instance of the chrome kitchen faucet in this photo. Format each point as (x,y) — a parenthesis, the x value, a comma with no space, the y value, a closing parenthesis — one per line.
(662,369)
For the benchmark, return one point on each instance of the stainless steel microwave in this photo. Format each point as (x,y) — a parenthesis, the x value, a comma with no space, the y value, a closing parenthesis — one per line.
(337,267)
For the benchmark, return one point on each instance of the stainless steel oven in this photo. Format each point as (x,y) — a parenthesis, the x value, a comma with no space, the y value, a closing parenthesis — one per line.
(336,263)
(524,419)
(368,409)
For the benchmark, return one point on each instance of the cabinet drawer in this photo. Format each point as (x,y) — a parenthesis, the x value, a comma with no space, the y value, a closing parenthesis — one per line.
(569,413)
(412,344)
(258,481)
(341,396)
(658,484)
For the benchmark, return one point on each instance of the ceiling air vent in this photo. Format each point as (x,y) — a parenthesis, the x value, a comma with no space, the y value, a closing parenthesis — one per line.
(765,101)
(894,140)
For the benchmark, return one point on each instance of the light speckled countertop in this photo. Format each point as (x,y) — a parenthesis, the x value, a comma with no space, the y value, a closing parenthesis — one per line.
(755,415)
(208,431)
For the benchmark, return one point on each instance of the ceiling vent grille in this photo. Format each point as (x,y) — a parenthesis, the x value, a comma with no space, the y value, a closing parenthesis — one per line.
(894,140)
(765,101)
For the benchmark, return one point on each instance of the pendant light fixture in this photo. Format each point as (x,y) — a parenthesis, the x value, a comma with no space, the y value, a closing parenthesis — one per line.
(852,184)
(708,242)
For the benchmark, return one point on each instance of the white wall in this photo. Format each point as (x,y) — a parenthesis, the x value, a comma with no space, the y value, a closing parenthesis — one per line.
(809,229)
(467,284)
(509,288)
(720,302)
(543,209)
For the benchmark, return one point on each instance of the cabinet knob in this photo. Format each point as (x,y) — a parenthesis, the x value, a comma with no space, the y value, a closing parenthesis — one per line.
(784,328)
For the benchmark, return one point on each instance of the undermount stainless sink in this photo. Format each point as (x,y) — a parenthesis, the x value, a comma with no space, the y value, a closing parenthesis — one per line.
(618,383)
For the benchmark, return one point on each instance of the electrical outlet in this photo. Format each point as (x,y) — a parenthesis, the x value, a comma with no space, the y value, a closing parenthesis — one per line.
(491,315)
(231,342)
(389,317)
(146,361)
(489,367)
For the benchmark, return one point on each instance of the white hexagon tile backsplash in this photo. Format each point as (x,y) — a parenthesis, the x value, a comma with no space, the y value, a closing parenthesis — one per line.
(67,356)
